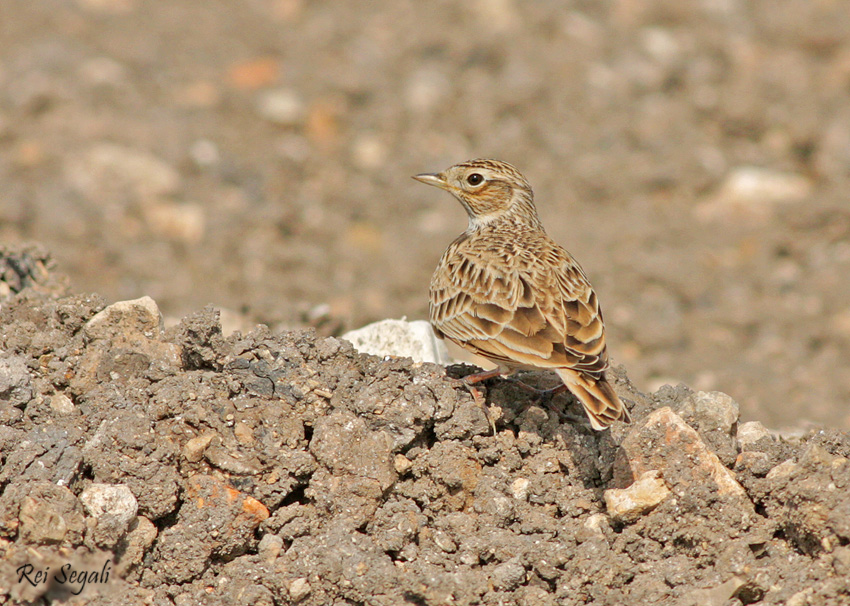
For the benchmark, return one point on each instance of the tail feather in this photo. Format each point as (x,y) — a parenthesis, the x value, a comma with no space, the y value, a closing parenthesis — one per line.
(598,398)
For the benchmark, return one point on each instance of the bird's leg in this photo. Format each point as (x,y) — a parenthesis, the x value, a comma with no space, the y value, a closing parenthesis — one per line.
(469,382)
(543,394)
(481,376)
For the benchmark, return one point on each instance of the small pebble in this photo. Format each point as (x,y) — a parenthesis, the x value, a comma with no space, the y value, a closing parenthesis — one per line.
(281,106)
(61,404)
(193,450)
(299,589)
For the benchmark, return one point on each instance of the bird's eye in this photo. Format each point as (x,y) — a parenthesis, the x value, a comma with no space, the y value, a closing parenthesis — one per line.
(474,179)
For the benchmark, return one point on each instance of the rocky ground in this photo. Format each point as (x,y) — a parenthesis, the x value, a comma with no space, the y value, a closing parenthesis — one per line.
(182,467)
(694,156)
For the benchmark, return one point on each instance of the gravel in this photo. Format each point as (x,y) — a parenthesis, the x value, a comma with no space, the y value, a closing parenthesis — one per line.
(694,156)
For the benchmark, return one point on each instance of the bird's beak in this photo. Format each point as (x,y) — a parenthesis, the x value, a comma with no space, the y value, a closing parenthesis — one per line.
(435,179)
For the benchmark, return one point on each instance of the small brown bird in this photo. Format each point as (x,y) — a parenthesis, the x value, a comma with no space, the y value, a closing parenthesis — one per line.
(506,291)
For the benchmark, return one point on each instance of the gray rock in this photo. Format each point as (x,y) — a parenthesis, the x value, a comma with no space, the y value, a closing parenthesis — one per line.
(125,341)
(508,575)
(346,559)
(216,521)
(712,410)
(383,489)
(757,463)
(15,381)
(270,547)
(47,453)
(468,420)
(715,416)
(811,499)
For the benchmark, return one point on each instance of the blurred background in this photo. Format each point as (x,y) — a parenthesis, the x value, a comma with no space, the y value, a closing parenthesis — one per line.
(694,156)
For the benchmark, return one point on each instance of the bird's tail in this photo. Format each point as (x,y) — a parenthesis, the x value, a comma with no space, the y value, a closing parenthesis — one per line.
(601,404)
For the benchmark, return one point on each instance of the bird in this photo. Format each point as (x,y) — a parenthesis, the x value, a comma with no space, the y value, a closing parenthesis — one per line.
(506,291)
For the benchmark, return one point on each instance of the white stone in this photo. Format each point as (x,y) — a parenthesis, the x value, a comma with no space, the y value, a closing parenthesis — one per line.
(400,338)
(179,221)
(112,500)
(204,153)
(281,106)
(108,171)
(426,89)
(299,589)
(751,432)
(783,470)
(660,44)
(103,70)
(751,184)
(519,488)
(753,190)
(142,313)
(596,523)
(61,403)
(369,152)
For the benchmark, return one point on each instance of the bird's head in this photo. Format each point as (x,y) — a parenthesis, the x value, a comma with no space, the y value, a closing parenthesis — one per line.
(489,190)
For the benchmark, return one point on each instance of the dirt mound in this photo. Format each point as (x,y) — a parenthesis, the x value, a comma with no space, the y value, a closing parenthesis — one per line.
(145,466)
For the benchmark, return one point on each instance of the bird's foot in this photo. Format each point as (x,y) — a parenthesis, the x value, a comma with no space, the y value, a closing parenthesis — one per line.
(478,398)
(469,383)
(543,397)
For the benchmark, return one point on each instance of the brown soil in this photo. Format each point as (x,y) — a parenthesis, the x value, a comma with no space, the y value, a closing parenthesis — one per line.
(256,155)
(287,468)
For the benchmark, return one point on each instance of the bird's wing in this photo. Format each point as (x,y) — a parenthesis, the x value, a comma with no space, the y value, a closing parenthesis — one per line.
(534,315)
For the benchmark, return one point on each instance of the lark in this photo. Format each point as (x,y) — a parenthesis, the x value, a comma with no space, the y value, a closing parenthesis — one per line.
(506,291)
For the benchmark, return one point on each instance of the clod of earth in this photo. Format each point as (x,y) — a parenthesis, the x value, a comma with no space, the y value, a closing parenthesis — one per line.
(286,468)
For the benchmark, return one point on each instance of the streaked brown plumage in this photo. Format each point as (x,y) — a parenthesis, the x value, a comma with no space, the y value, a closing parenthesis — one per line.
(506,291)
